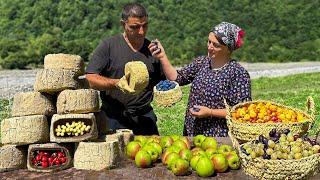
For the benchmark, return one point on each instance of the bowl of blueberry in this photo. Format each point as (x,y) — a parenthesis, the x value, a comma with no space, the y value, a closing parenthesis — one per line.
(167,93)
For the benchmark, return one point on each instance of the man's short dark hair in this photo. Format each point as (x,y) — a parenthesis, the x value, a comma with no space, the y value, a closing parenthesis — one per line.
(133,10)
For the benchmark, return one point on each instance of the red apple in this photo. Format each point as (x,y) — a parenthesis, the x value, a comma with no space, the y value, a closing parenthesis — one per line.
(186,140)
(171,157)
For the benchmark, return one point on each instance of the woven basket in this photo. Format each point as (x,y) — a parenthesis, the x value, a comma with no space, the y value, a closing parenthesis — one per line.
(49,147)
(167,98)
(280,169)
(249,131)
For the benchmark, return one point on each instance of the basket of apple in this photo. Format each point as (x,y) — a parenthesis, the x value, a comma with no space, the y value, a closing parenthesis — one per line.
(248,120)
(280,155)
(48,157)
(181,155)
(167,93)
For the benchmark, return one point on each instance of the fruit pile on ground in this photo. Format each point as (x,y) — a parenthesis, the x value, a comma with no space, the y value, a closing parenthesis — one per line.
(281,145)
(48,158)
(165,85)
(180,158)
(267,113)
(73,129)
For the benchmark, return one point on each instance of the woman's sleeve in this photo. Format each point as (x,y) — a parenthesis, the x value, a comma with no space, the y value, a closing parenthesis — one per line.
(240,88)
(188,73)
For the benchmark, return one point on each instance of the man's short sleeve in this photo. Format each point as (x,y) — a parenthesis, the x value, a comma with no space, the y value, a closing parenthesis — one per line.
(100,58)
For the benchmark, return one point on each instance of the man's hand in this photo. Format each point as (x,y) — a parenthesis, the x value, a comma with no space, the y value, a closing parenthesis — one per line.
(157,49)
(200,111)
(123,85)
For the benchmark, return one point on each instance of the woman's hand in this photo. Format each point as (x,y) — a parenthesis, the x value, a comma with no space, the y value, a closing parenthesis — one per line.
(200,111)
(157,49)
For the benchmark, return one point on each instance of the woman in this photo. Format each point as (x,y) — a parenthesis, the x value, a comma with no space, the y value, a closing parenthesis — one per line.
(213,77)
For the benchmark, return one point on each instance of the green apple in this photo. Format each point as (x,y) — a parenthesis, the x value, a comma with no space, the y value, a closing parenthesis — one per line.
(198,152)
(180,167)
(211,151)
(181,144)
(185,154)
(194,161)
(152,152)
(141,139)
(198,139)
(153,139)
(175,137)
(209,142)
(204,167)
(219,162)
(156,146)
(171,157)
(132,148)
(175,149)
(233,160)
(164,155)
(186,140)
(143,159)
(225,149)
(166,142)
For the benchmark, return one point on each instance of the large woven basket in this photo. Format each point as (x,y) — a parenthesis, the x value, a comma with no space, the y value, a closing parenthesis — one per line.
(280,169)
(249,131)
(167,98)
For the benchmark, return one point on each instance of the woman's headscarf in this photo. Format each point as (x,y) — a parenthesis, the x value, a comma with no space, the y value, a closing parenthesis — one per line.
(230,34)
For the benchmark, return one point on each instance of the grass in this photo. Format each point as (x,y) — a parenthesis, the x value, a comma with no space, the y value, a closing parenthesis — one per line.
(289,90)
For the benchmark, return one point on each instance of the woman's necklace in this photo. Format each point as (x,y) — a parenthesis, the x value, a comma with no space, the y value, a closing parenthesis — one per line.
(219,68)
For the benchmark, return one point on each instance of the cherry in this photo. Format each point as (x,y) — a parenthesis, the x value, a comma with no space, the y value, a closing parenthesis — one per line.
(60,154)
(44,159)
(44,164)
(63,160)
(57,162)
(38,157)
(50,160)
(46,154)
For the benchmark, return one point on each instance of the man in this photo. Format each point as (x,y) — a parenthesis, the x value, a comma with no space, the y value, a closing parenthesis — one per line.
(121,110)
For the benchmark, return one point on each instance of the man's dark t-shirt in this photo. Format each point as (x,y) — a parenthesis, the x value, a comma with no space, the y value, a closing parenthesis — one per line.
(109,60)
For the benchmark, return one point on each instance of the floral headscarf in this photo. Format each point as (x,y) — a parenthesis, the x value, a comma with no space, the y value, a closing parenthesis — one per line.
(230,34)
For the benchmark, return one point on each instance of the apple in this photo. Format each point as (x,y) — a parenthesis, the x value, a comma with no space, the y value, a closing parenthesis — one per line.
(164,155)
(225,149)
(198,139)
(211,151)
(166,142)
(175,149)
(209,142)
(204,167)
(141,139)
(171,157)
(152,152)
(198,152)
(194,161)
(186,140)
(185,154)
(153,139)
(180,167)
(175,137)
(132,148)
(219,162)
(181,144)
(233,160)
(156,146)
(143,159)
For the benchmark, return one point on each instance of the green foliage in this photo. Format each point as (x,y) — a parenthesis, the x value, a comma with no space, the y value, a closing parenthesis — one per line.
(290,90)
(277,30)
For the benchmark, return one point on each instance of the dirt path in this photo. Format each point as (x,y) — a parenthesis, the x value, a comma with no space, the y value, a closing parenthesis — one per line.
(13,81)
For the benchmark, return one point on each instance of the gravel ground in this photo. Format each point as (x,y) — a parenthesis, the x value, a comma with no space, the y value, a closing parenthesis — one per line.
(13,81)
